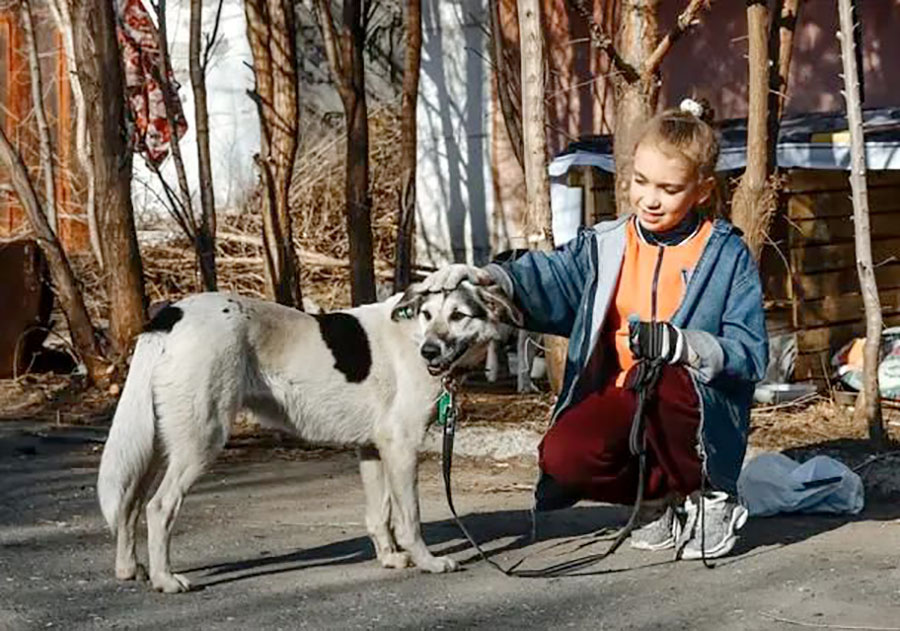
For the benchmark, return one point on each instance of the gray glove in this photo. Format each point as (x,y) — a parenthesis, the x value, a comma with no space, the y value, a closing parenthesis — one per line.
(449,277)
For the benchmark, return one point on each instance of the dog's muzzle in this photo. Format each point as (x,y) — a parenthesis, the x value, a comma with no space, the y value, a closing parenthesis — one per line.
(438,360)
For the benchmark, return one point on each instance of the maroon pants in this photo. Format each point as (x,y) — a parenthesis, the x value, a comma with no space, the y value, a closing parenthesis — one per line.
(586,450)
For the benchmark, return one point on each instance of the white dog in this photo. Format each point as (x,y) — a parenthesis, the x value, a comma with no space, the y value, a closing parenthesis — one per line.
(368,377)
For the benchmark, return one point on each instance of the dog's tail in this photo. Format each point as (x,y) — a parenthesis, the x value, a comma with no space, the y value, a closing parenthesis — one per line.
(129,447)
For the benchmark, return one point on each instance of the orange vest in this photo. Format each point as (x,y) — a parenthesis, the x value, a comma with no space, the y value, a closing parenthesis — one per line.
(651,285)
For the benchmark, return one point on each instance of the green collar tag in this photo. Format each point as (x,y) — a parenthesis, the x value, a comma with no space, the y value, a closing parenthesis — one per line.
(445,404)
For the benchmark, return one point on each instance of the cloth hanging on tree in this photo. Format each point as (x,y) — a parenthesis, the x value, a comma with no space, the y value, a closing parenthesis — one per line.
(150,132)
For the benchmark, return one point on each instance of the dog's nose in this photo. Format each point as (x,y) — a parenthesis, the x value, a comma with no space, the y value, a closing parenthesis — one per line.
(430,351)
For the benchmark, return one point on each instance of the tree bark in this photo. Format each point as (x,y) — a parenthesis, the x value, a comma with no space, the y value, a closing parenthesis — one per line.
(869,402)
(406,217)
(70,298)
(345,56)
(63,19)
(509,91)
(206,231)
(270,30)
(37,100)
(781,42)
(636,99)
(538,222)
(100,72)
(753,203)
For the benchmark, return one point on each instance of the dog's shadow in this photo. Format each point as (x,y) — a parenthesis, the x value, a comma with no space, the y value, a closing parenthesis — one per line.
(442,537)
(564,532)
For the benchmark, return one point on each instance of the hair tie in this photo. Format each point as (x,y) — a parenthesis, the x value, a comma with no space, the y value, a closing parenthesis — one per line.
(692,107)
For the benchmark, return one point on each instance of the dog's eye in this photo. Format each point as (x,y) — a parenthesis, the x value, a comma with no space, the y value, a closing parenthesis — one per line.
(456,316)
(426,315)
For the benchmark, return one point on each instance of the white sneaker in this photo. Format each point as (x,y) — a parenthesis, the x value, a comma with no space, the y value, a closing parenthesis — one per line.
(721,519)
(659,534)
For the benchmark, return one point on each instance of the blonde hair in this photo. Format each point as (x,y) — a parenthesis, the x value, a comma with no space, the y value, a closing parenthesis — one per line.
(691,137)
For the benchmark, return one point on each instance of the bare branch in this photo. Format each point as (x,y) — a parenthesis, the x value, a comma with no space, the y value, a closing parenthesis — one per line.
(212,40)
(602,40)
(688,19)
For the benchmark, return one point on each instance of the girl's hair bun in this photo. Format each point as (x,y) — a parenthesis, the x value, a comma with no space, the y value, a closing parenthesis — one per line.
(699,108)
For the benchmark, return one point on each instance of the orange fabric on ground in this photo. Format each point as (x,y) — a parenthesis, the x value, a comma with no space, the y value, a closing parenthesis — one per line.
(634,294)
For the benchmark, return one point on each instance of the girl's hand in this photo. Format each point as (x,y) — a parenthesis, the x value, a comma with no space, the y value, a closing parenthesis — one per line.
(657,340)
(448,278)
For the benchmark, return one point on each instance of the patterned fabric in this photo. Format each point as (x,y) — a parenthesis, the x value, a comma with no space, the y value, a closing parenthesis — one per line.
(149,129)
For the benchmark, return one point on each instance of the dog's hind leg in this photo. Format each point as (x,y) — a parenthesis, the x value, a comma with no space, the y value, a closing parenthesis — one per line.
(378,509)
(127,566)
(192,437)
(400,463)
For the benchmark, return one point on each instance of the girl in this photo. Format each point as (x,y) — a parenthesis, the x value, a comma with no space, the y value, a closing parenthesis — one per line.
(670,282)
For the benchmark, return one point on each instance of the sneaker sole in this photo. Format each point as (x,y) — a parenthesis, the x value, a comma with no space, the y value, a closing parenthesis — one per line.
(738,519)
(653,547)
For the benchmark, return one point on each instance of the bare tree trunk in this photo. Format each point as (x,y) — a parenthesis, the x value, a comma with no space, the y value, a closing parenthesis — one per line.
(635,99)
(345,56)
(100,72)
(170,97)
(206,231)
(538,222)
(869,402)
(63,18)
(781,46)
(509,91)
(271,34)
(406,217)
(37,100)
(754,200)
(71,300)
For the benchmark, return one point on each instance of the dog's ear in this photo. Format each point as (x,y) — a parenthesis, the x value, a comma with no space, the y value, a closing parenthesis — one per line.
(500,306)
(408,305)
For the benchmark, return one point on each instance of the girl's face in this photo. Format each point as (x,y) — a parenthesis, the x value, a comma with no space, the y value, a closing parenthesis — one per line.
(664,188)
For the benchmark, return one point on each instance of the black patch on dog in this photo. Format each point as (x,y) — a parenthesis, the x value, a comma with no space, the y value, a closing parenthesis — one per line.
(165,319)
(225,310)
(347,340)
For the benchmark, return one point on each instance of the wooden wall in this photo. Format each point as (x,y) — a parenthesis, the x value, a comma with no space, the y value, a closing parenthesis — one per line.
(822,290)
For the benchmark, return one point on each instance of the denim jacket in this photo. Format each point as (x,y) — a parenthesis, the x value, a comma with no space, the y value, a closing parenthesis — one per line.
(568,292)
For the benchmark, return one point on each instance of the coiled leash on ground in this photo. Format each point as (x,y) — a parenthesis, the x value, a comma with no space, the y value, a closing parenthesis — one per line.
(644,381)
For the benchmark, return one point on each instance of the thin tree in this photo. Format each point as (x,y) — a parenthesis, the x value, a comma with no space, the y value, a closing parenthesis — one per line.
(37,91)
(182,207)
(206,233)
(538,225)
(270,30)
(754,200)
(406,216)
(100,74)
(62,16)
(509,83)
(636,56)
(868,404)
(344,49)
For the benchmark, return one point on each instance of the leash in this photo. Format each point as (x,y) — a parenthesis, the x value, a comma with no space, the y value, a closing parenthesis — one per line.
(644,384)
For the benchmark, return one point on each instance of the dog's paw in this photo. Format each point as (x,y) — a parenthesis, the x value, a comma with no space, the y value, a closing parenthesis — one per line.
(439,565)
(396,560)
(135,572)
(171,583)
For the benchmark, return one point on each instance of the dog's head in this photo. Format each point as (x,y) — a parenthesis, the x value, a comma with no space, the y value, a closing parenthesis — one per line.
(457,325)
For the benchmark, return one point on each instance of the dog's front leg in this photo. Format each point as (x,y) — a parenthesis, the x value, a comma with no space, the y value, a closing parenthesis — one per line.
(378,509)
(400,464)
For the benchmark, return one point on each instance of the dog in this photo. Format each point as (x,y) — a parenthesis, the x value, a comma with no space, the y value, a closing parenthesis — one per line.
(367,377)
